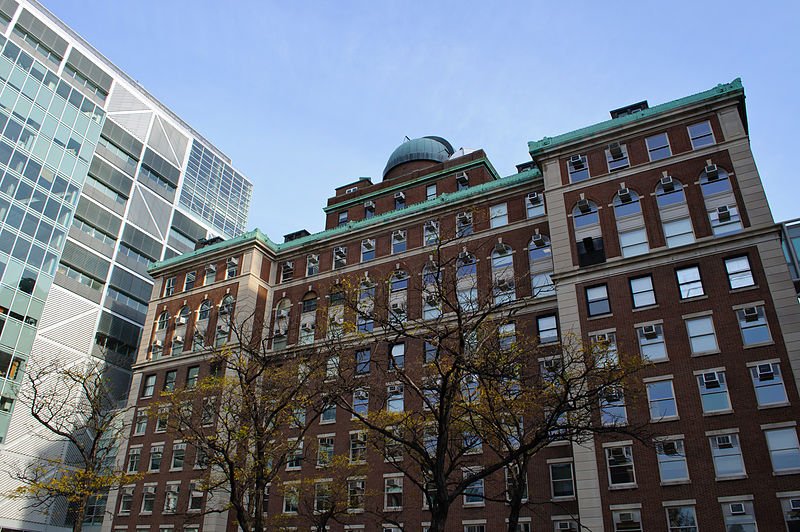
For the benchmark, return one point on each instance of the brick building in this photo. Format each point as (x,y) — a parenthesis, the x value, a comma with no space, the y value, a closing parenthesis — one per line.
(655,229)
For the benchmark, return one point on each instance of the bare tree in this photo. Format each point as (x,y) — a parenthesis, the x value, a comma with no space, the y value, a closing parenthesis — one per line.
(75,404)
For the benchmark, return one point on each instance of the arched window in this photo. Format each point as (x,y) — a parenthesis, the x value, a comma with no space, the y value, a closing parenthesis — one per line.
(588,235)
(540,259)
(281,330)
(630,223)
(204,311)
(723,213)
(398,295)
(224,320)
(308,318)
(226,307)
(674,212)
(503,274)
(431,298)
(183,315)
(163,321)
(366,306)
(467,281)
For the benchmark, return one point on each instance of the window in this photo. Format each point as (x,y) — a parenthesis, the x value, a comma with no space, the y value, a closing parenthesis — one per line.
(727,455)
(399,201)
(360,402)
(178,455)
(134,459)
(612,407)
(534,205)
(672,461)
(714,392)
(156,452)
(630,223)
(678,232)
(363,357)
(148,499)
(739,516)
(171,498)
(324,450)
(126,500)
(720,201)
(578,168)
(342,218)
(627,520)
(356,494)
(169,380)
(210,274)
(503,274)
(466,282)
(681,519)
(204,311)
(169,286)
(339,257)
(617,156)
(661,398)
(540,259)
(739,273)
(689,282)
(294,457)
(149,386)
(366,302)
(358,447)
(431,232)
(597,300)
(462,181)
(332,367)
(195,497)
(753,324)
(393,493)
(291,499)
(702,338)
(328,414)
(312,265)
(784,450)
(188,282)
(474,492)
(768,384)
(658,147)
(394,398)
(231,267)
(163,321)
(430,191)
(642,291)
(397,355)
(498,215)
(141,423)
(463,224)
(367,249)
(701,135)
(287,271)
(162,420)
(651,343)
(620,465)
(474,528)
(548,329)
(369,209)
(561,480)
(604,346)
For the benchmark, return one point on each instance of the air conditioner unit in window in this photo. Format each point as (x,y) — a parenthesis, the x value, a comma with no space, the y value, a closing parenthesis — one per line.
(667,183)
(650,331)
(462,178)
(584,207)
(224,310)
(398,236)
(394,388)
(711,380)
(313,260)
(211,268)
(615,149)
(307,327)
(568,527)
(576,162)
(617,453)
(625,195)
(669,448)
(158,344)
(504,285)
(712,172)
(724,213)
(724,442)
(431,300)
(534,198)
(626,517)
(538,241)
(222,328)
(178,339)
(737,508)
(750,314)
(612,395)
(794,504)
(765,372)
(369,204)
(398,307)
(233,260)
(180,320)
(400,195)
(282,313)
(340,253)
(431,226)
(367,245)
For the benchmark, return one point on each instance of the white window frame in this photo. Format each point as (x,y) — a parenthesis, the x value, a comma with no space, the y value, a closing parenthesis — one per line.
(699,329)
(651,150)
(731,452)
(710,134)
(498,215)
(735,273)
(651,401)
(795,448)
(667,449)
(645,294)
(766,378)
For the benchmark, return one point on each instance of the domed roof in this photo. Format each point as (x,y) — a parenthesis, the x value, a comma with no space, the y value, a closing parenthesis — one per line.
(429,148)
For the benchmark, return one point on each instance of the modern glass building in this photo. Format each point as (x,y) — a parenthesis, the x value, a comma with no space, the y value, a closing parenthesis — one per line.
(97,180)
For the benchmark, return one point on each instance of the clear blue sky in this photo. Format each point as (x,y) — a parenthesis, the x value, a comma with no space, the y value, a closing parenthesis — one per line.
(305,96)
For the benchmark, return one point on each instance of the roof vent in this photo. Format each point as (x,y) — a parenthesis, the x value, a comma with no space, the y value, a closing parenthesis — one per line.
(294,236)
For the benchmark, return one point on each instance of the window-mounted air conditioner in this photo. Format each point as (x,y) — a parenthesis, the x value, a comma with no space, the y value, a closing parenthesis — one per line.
(615,149)
(724,441)
(180,320)
(750,313)
(178,339)
(503,285)
(462,178)
(158,344)
(711,380)
(669,448)
(538,241)
(233,260)
(712,172)
(431,226)
(737,508)
(625,195)
(340,253)
(584,207)
(369,204)
(367,245)
(397,306)
(307,327)
(617,453)
(576,162)
(400,195)
(650,331)
(626,517)
(765,372)
(282,313)
(398,236)
(724,213)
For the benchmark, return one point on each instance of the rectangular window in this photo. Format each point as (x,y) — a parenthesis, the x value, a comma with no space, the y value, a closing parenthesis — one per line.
(169,286)
(768,384)
(367,249)
(360,402)
(689,282)
(678,232)
(312,265)
(534,205)
(210,275)
(287,271)
(565,526)
(125,500)
(339,257)
(324,450)
(430,191)
(627,520)
(162,420)
(358,447)
(561,480)
(171,498)
(498,215)
(612,407)
(597,300)
(156,452)
(651,343)
(192,375)
(702,338)
(178,455)
(617,156)
(661,398)
(548,329)
(753,324)
(393,493)
(188,282)
(620,465)
(134,459)
(294,457)
(195,497)
(356,494)
(148,499)
(701,134)
(399,201)
(642,291)
(328,414)
(141,423)
(727,455)
(363,357)
(395,398)
(431,232)
(397,356)
(398,241)
(739,516)
(784,450)
(231,268)
(149,386)
(369,209)
(474,494)
(681,519)
(633,242)
(342,218)
(672,461)
(714,392)
(463,224)
(291,499)
(658,147)
(431,352)
(474,528)
(169,380)
(578,168)
(462,181)
(739,273)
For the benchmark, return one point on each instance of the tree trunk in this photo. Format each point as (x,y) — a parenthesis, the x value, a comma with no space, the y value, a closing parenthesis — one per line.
(439,517)
(514,508)
(80,514)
